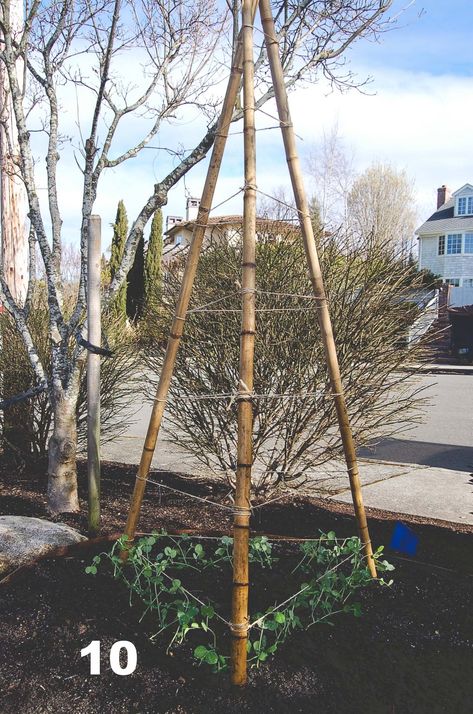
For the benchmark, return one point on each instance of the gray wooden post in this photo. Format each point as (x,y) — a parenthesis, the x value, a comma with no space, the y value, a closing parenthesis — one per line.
(94,335)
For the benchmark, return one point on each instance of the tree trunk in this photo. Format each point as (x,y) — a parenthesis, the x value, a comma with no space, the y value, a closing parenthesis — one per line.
(62,465)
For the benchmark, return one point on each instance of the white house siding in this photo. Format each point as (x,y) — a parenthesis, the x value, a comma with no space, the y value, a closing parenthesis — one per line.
(447,266)
(458,297)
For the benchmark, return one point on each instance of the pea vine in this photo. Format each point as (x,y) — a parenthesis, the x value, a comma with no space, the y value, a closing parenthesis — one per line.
(333,570)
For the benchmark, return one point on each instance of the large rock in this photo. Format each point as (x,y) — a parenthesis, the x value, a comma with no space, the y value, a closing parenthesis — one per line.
(23,540)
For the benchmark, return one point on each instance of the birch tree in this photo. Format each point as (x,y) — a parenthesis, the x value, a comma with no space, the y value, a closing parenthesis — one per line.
(330,166)
(381,204)
(179,54)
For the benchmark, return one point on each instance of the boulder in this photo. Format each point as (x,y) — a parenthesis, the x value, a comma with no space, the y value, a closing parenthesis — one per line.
(23,540)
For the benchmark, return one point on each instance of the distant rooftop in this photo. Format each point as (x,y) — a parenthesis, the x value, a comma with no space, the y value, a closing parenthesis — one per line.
(232,220)
(444,221)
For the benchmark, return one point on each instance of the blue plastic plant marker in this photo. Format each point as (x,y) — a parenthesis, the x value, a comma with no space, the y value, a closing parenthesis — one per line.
(404,539)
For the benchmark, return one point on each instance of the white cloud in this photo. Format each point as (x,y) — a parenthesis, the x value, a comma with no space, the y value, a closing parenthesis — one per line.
(416,122)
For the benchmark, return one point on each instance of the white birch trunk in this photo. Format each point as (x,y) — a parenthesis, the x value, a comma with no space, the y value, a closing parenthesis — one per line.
(62,466)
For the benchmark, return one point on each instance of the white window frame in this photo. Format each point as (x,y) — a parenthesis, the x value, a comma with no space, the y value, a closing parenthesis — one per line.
(449,281)
(454,235)
(466,203)
(465,281)
(470,252)
(441,244)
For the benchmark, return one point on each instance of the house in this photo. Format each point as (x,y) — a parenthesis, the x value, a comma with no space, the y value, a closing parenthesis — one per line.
(178,233)
(446,242)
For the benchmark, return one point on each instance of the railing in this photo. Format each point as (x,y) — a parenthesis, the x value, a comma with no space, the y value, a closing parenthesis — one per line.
(429,304)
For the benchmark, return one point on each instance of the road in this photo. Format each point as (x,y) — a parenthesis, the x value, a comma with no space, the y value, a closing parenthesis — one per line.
(444,439)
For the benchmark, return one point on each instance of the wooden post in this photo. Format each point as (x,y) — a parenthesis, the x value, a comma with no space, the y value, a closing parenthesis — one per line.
(14,202)
(241,517)
(315,275)
(185,292)
(17,420)
(94,335)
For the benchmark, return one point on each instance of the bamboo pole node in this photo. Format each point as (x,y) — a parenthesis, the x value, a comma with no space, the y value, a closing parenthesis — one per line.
(248,291)
(177,317)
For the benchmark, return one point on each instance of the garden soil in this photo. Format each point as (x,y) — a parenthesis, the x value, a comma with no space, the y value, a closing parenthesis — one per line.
(410,651)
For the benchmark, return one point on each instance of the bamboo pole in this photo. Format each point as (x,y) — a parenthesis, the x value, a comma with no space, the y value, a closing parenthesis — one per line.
(94,335)
(315,276)
(186,290)
(241,516)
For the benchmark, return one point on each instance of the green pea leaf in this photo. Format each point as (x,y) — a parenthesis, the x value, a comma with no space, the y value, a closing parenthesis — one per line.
(200,652)
(207,611)
(211,657)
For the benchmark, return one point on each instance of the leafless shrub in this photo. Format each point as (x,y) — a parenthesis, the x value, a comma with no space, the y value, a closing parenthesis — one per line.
(295,425)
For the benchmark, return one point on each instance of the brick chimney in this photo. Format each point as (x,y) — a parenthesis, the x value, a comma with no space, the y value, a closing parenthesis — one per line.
(443,195)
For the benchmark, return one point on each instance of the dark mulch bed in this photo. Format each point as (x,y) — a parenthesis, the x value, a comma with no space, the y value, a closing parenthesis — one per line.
(411,651)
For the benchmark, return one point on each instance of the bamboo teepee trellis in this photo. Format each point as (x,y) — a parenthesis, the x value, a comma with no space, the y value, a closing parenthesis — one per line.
(243,65)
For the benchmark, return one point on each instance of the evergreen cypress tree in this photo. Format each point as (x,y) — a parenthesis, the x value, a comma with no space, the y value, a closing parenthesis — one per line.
(120,232)
(153,274)
(135,291)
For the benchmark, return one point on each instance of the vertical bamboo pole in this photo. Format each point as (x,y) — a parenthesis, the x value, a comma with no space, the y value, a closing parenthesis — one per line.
(186,290)
(94,335)
(315,275)
(241,517)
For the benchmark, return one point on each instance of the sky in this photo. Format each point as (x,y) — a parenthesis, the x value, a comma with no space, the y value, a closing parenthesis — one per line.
(415,114)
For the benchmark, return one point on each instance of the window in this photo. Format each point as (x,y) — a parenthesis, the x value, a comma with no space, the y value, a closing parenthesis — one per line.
(178,240)
(465,206)
(441,245)
(468,243)
(454,282)
(467,282)
(454,243)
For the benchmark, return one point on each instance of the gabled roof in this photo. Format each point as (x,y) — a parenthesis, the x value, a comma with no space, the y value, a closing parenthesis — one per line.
(232,220)
(466,187)
(444,221)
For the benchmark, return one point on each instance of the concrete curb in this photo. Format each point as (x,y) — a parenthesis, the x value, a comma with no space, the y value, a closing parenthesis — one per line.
(440,368)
